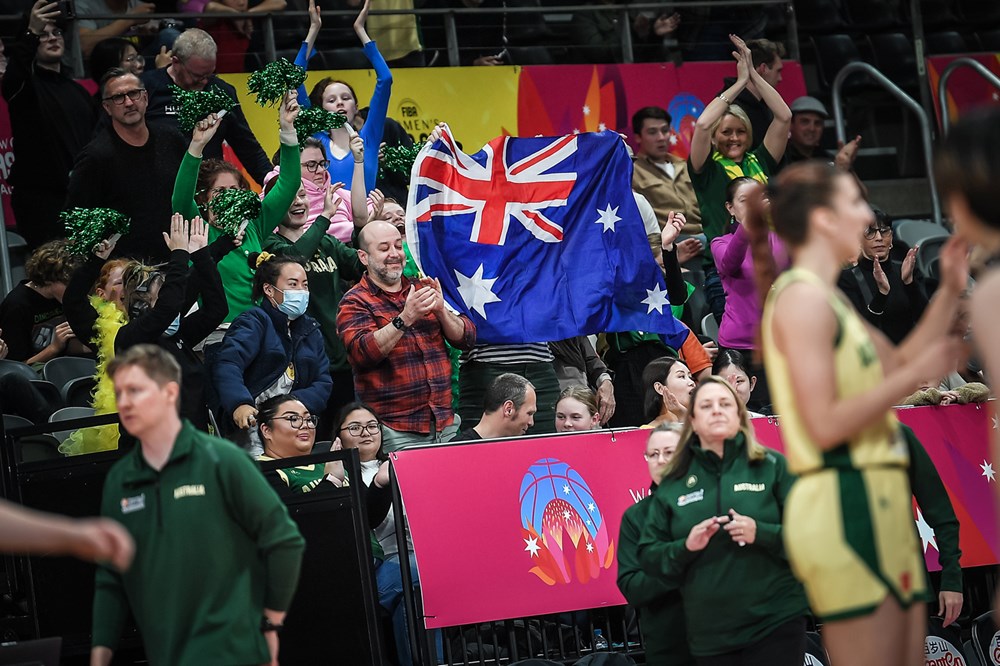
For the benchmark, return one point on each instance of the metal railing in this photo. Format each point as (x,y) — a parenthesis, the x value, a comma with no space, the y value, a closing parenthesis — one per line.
(958,63)
(904,99)
(451,31)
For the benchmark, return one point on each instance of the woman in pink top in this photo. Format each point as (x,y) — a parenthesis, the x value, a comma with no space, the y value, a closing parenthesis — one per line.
(733,259)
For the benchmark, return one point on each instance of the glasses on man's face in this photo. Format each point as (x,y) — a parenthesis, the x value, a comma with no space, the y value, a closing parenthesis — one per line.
(662,455)
(133,95)
(871,231)
(299,422)
(355,429)
(312,166)
(195,76)
(50,34)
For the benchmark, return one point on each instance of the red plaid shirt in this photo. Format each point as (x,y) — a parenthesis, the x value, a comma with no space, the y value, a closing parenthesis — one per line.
(413,381)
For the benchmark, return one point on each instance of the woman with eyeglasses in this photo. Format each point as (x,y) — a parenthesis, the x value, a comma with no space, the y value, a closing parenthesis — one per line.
(199,182)
(658,605)
(714,532)
(114,52)
(359,428)
(288,430)
(884,290)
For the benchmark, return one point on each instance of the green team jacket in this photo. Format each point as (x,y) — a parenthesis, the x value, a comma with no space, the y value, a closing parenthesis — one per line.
(237,276)
(935,505)
(214,547)
(658,605)
(328,262)
(733,595)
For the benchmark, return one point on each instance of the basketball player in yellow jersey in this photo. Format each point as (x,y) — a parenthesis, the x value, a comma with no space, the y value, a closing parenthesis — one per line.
(848,524)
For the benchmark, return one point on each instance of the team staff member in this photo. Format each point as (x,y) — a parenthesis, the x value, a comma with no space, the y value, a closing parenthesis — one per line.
(714,531)
(849,522)
(658,604)
(217,557)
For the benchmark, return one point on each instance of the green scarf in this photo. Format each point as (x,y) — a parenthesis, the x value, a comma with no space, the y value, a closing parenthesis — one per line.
(749,167)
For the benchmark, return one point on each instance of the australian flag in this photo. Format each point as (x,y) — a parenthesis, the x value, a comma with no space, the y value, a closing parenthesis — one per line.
(537,239)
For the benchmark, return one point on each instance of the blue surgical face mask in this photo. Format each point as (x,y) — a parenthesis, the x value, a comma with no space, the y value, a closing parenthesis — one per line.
(175,326)
(295,303)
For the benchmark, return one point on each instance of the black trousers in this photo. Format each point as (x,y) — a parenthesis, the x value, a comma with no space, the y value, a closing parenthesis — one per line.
(785,646)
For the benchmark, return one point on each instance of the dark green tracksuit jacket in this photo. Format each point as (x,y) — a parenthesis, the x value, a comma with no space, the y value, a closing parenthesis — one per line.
(658,605)
(214,547)
(733,596)
(935,505)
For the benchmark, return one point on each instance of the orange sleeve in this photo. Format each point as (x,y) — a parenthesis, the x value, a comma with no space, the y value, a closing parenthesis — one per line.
(694,355)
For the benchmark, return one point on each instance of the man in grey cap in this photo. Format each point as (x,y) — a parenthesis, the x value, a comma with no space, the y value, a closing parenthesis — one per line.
(808,114)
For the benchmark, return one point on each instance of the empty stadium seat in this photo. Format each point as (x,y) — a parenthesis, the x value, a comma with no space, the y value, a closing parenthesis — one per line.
(872,15)
(979,12)
(12,421)
(983,629)
(989,41)
(895,57)
(64,369)
(946,42)
(833,52)
(709,326)
(912,232)
(68,414)
(77,392)
(50,392)
(819,15)
(934,14)
(928,255)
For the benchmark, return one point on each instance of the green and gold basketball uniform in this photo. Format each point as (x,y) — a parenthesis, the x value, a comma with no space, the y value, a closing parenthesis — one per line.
(848,523)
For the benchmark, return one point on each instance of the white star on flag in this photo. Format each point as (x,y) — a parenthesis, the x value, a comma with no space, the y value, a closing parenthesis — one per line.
(655,299)
(531,546)
(566,489)
(586,110)
(926,533)
(601,127)
(576,131)
(476,291)
(608,217)
(988,471)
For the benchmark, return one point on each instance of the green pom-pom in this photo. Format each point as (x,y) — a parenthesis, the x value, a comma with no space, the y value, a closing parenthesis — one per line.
(86,227)
(272,83)
(399,159)
(195,105)
(315,120)
(232,207)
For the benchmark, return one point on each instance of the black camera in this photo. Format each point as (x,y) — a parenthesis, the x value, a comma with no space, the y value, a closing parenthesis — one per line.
(66,9)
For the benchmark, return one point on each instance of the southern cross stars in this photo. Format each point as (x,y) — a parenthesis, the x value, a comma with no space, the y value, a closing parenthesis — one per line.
(477,291)
(608,217)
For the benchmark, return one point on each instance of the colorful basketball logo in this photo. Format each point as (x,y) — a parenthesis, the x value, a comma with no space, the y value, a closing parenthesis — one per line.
(565,535)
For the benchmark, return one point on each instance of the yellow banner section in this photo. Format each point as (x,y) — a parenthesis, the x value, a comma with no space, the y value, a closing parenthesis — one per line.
(479,103)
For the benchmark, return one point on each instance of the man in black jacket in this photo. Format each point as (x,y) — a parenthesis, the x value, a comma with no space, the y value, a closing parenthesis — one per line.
(52,119)
(192,67)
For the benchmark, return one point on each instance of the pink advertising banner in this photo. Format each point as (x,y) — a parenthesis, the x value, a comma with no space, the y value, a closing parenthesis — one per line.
(530,526)
(967,89)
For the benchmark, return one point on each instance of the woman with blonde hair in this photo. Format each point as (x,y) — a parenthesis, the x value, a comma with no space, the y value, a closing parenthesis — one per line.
(714,531)
(576,410)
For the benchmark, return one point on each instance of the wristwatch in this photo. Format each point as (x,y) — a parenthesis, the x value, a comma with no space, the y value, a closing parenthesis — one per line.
(266,625)
(399,323)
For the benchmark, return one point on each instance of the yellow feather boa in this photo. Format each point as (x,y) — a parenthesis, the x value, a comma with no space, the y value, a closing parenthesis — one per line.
(100,438)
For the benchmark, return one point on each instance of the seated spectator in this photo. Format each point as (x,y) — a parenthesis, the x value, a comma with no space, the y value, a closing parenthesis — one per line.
(669,386)
(359,428)
(732,366)
(735,262)
(883,290)
(721,150)
(159,305)
(576,410)
(577,364)
(508,409)
(659,605)
(31,316)
(271,349)
(198,182)
(115,52)
(232,36)
(329,263)
(806,134)
(287,430)
(339,97)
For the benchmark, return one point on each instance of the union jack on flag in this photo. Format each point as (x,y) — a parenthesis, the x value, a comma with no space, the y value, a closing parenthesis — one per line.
(537,239)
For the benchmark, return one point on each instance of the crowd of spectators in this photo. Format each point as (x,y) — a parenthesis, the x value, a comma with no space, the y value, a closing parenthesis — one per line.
(281,328)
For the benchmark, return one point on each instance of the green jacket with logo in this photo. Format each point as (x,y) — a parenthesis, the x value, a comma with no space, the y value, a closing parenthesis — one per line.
(658,605)
(214,547)
(733,595)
